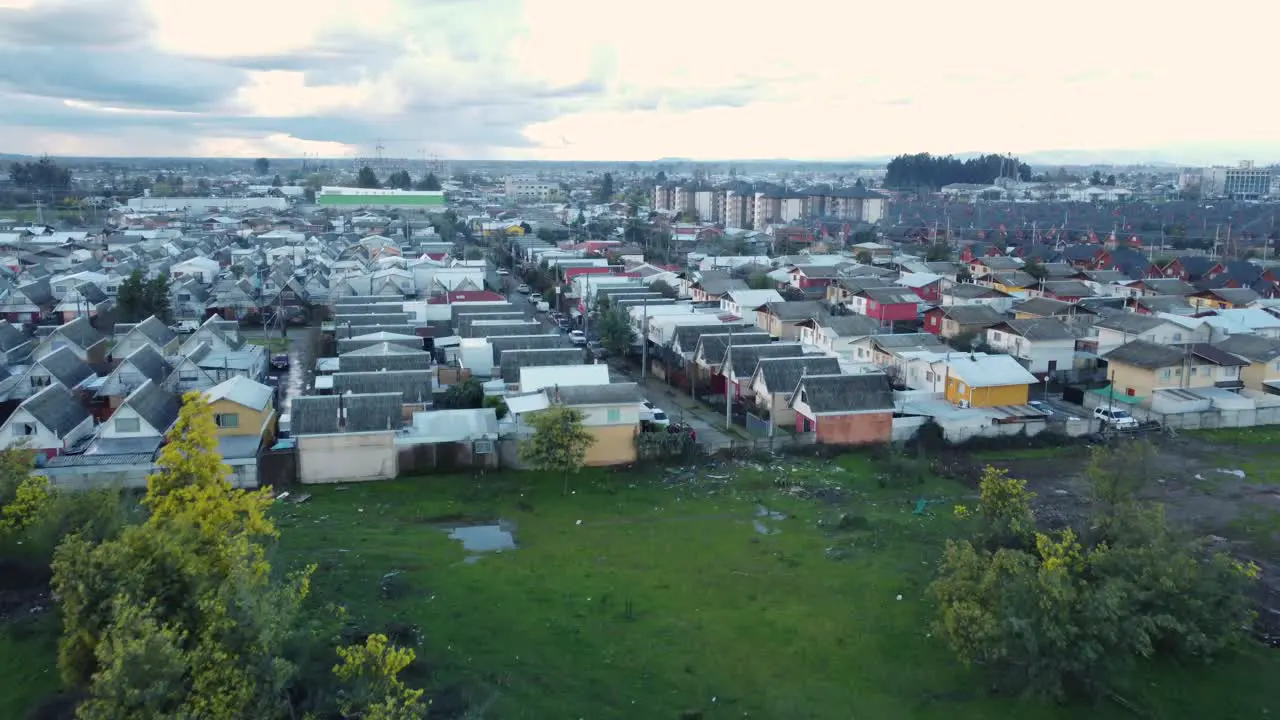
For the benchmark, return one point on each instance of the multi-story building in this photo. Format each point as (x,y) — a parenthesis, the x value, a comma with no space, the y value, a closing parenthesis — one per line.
(518,188)
(1245,182)
(664,197)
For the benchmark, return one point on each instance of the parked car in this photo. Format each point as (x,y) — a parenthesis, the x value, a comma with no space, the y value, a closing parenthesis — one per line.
(653,414)
(280,361)
(563,324)
(503,272)
(1041,406)
(185,327)
(522,289)
(577,337)
(535,298)
(1115,417)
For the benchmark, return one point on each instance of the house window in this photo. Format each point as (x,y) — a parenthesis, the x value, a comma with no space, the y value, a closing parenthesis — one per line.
(188,377)
(41,381)
(928,377)
(227,420)
(614,415)
(1177,337)
(128,425)
(24,429)
(1195,371)
(1231,371)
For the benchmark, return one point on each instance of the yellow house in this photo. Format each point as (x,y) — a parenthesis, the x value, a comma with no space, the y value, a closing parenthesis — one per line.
(1263,354)
(1012,283)
(987,381)
(1223,299)
(242,407)
(611,413)
(1139,368)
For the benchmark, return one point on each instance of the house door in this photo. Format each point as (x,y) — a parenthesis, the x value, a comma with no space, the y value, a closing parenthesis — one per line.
(1053,366)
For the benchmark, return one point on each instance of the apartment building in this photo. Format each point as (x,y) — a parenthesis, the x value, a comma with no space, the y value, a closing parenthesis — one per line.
(523,188)
(1244,182)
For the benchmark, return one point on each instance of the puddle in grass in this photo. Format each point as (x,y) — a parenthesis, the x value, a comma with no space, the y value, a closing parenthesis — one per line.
(481,539)
(763,513)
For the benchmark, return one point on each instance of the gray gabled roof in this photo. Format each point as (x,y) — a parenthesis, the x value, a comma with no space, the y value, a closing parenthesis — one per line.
(844,393)
(980,315)
(611,394)
(782,374)
(513,360)
(373,411)
(156,331)
(1130,323)
(11,337)
(1251,347)
(397,358)
(63,365)
(314,414)
(413,385)
(714,344)
(57,409)
(742,359)
(150,363)
(1037,329)
(157,406)
(80,332)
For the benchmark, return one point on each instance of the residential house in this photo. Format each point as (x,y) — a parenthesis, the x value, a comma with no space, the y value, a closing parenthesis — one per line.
(204,270)
(149,333)
(844,409)
(1160,286)
(49,422)
(611,414)
(960,321)
(740,362)
(28,303)
(85,300)
(744,302)
(972,294)
(1263,353)
(1118,329)
(987,381)
(926,285)
(711,285)
(1043,346)
(889,352)
(146,414)
(837,333)
(243,408)
(1065,290)
(782,319)
(1192,268)
(1224,299)
(775,379)
(1139,368)
(1013,282)
(1075,315)
(887,305)
(60,367)
(15,345)
(79,336)
(1155,304)
(709,354)
(142,365)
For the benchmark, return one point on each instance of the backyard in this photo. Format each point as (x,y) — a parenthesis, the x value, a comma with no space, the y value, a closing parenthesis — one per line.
(780,589)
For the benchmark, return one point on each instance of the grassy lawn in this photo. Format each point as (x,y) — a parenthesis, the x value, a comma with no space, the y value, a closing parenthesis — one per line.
(1032,453)
(28,663)
(644,596)
(1264,435)
(275,344)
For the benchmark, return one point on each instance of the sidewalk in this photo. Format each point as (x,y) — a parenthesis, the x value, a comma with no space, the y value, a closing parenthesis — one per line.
(681,408)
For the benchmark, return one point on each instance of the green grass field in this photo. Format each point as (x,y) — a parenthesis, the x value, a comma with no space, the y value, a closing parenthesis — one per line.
(642,597)
(28,663)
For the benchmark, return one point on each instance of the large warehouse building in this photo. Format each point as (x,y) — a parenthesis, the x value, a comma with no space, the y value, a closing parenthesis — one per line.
(381,199)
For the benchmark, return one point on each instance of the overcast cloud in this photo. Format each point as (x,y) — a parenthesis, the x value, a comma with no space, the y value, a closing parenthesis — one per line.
(567,79)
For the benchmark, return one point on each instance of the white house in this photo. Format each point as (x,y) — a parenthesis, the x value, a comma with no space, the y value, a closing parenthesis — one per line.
(1044,345)
(49,422)
(148,412)
(202,268)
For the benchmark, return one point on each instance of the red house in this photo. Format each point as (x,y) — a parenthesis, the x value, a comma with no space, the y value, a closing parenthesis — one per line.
(810,276)
(927,287)
(887,304)
(1192,268)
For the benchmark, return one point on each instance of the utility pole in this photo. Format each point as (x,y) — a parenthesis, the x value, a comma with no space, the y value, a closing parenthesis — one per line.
(728,392)
(644,341)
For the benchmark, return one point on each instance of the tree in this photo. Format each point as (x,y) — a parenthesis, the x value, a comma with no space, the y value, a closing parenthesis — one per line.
(131,297)
(664,288)
(367,178)
(43,174)
(606,189)
(1059,614)
(1111,180)
(400,180)
(614,328)
(261,166)
(927,171)
(760,280)
(373,689)
(1035,269)
(465,395)
(157,297)
(559,443)
(937,252)
(277,181)
(499,405)
(429,183)
(1096,178)
(864,257)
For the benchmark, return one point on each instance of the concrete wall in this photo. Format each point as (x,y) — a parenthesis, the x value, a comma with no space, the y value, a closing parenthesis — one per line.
(905,428)
(347,457)
(614,445)
(87,477)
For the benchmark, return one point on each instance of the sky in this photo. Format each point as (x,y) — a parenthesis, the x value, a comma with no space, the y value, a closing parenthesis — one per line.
(579,80)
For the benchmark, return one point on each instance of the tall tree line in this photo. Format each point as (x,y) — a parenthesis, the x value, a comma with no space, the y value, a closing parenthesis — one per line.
(925,170)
